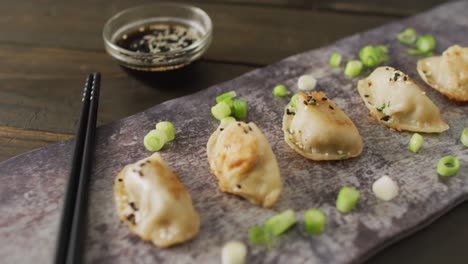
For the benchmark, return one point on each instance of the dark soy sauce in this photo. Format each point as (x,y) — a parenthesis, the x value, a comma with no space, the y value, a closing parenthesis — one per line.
(158,38)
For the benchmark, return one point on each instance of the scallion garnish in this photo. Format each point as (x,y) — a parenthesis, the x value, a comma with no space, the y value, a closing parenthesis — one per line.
(448,166)
(369,56)
(280,90)
(227,120)
(464,137)
(240,109)
(258,235)
(155,140)
(221,110)
(416,142)
(233,252)
(353,68)
(281,222)
(385,188)
(167,128)
(425,43)
(314,221)
(292,103)
(225,96)
(408,36)
(347,199)
(335,60)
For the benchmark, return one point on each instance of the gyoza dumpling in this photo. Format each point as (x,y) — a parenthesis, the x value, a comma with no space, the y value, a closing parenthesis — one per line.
(154,203)
(397,102)
(242,160)
(318,129)
(448,73)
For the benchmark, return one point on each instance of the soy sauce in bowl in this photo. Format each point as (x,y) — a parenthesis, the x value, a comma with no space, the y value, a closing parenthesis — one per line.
(159,37)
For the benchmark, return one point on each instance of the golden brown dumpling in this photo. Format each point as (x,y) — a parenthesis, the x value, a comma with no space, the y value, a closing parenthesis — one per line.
(318,129)
(397,102)
(154,203)
(448,73)
(242,160)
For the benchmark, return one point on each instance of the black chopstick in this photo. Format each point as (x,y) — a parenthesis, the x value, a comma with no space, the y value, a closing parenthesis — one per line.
(71,232)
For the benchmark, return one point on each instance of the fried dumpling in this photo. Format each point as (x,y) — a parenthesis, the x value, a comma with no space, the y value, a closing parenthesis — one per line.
(318,129)
(397,102)
(242,160)
(154,203)
(448,73)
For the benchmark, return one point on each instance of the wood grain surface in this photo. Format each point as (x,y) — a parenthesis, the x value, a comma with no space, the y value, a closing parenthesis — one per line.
(31,185)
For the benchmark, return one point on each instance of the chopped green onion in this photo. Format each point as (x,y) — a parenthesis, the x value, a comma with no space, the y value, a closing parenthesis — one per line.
(314,221)
(381,52)
(225,121)
(225,96)
(416,142)
(448,166)
(426,43)
(408,36)
(464,137)
(306,82)
(385,188)
(280,90)
(240,109)
(347,199)
(335,60)
(221,110)
(258,235)
(167,128)
(281,222)
(369,56)
(292,103)
(353,68)
(418,52)
(155,140)
(233,252)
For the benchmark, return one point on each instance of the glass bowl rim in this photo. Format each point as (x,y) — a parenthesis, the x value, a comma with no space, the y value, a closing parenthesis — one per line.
(206,36)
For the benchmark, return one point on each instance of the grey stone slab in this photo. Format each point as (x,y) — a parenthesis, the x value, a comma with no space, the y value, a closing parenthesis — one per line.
(32,185)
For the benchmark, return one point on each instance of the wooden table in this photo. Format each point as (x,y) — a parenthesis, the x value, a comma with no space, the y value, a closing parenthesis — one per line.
(47,47)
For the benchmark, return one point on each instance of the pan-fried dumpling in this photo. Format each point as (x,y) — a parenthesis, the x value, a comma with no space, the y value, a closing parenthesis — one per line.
(318,129)
(242,160)
(154,203)
(448,73)
(397,102)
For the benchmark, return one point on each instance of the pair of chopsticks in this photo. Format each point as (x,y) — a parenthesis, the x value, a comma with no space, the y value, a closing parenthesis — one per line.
(73,221)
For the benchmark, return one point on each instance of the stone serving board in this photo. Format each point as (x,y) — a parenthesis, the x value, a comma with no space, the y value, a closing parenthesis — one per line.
(32,185)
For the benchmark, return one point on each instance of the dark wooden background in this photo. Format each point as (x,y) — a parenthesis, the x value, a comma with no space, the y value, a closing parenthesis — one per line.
(47,47)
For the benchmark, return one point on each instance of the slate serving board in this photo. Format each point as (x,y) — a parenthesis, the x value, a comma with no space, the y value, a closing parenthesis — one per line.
(32,184)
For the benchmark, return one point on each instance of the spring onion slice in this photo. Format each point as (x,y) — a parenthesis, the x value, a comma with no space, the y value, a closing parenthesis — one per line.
(292,103)
(280,90)
(347,199)
(464,137)
(418,52)
(281,222)
(385,188)
(314,221)
(225,121)
(258,235)
(426,43)
(224,96)
(155,140)
(353,68)
(408,36)
(233,252)
(369,56)
(382,53)
(416,142)
(167,128)
(221,110)
(335,60)
(448,166)
(240,109)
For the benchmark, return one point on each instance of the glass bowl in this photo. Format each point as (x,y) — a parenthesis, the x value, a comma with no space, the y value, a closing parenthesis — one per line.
(159,13)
